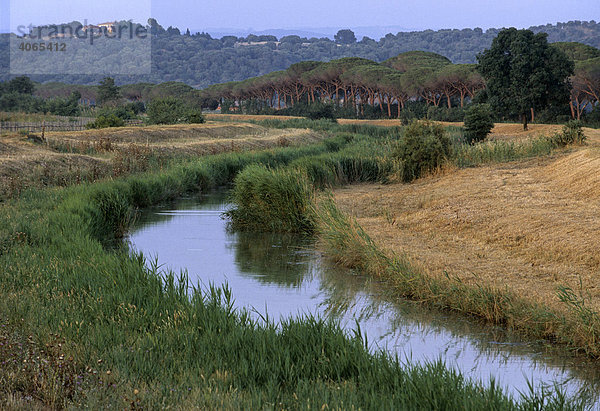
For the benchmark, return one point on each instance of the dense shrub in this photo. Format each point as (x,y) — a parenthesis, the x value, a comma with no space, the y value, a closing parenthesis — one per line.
(454,114)
(194,116)
(413,110)
(478,123)
(106,121)
(122,112)
(136,107)
(572,133)
(424,147)
(170,110)
(554,114)
(64,107)
(27,103)
(321,112)
(592,119)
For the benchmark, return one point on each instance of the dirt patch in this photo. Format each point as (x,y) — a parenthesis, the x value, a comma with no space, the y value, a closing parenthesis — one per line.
(530,227)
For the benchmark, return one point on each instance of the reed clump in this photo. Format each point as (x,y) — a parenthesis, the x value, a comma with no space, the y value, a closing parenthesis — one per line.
(270,200)
(282,199)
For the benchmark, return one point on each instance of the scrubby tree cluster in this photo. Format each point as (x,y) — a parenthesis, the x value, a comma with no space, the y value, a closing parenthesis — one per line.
(18,95)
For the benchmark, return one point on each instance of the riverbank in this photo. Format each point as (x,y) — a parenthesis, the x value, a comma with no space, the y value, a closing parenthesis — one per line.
(514,243)
(503,272)
(84,324)
(87,326)
(528,226)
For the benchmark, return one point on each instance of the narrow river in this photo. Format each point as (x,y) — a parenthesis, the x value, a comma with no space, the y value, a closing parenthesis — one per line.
(283,275)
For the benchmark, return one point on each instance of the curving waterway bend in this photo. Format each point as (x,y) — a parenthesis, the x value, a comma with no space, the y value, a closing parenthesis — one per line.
(283,276)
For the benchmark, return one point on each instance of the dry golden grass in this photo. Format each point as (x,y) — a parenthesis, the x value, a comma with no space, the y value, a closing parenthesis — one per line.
(246,117)
(71,157)
(170,133)
(198,138)
(529,226)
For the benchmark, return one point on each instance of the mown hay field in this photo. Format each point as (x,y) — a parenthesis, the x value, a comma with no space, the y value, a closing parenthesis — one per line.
(530,226)
(65,158)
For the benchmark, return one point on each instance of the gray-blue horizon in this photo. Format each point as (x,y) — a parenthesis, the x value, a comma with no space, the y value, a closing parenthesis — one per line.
(313,17)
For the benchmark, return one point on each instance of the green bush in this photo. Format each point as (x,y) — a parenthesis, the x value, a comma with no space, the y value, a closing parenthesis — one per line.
(170,110)
(572,133)
(453,114)
(104,122)
(122,112)
(478,123)
(321,112)
(137,107)
(424,147)
(194,116)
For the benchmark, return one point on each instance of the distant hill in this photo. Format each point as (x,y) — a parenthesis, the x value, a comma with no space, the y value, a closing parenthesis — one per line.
(200,60)
(374,32)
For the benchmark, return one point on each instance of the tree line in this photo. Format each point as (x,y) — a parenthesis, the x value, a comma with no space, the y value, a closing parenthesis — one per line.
(200,60)
(520,76)
(357,82)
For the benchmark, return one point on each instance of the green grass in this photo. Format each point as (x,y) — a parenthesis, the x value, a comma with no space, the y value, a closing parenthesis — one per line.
(272,200)
(87,326)
(467,155)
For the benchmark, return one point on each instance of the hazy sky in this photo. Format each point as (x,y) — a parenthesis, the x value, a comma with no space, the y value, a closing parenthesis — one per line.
(265,14)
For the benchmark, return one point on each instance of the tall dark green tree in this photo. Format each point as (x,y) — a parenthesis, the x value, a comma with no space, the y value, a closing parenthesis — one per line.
(345,37)
(108,91)
(20,85)
(524,74)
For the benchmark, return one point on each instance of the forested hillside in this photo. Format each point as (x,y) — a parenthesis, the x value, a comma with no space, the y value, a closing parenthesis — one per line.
(200,60)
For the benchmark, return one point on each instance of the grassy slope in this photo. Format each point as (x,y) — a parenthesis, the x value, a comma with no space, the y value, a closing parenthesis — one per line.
(530,225)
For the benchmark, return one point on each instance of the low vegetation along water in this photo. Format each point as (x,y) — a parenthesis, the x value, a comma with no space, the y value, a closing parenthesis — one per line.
(281,276)
(74,309)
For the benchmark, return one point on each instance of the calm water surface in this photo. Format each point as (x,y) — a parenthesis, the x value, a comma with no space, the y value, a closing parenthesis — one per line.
(282,276)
